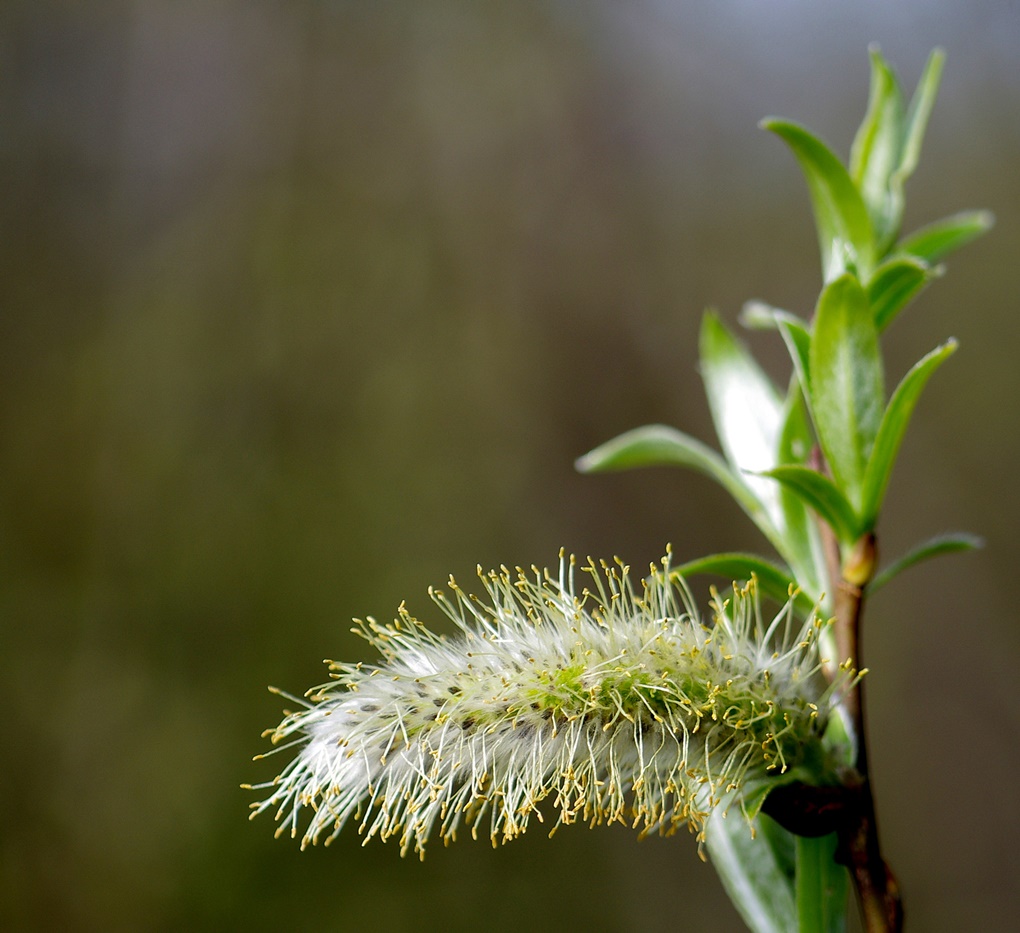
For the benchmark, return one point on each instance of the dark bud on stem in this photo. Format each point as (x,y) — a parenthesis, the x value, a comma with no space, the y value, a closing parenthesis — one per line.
(808,811)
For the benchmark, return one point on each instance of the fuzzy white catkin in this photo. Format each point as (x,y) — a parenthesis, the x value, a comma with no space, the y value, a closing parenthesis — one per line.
(614,701)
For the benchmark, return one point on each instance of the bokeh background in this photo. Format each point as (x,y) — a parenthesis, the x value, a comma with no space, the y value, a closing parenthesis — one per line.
(306,305)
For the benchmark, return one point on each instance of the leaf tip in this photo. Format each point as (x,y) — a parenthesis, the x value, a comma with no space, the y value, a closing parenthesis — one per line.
(876,56)
(984,219)
(755,315)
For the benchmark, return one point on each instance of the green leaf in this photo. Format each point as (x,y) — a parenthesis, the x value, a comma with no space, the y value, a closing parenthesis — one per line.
(892,428)
(894,284)
(845,387)
(655,445)
(935,241)
(888,145)
(917,119)
(773,581)
(797,338)
(796,439)
(745,407)
(840,747)
(821,494)
(796,442)
(875,155)
(659,445)
(796,445)
(759,430)
(758,315)
(821,886)
(781,841)
(754,871)
(844,228)
(933,547)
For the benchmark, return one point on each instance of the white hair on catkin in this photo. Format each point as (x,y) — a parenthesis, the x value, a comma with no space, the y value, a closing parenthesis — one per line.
(615,702)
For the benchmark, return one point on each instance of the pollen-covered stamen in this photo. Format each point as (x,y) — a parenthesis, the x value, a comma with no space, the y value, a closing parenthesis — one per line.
(615,702)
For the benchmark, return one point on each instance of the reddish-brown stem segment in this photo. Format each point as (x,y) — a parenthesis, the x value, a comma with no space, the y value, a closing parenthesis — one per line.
(877,889)
(852,816)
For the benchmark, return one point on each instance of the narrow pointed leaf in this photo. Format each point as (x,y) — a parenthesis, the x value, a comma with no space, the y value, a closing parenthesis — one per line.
(753,871)
(875,152)
(933,547)
(917,118)
(822,495)
(759,430)
(758,315)
(655,445)
(844,228)
(894,284)
(659,445)
(797,338)
(910,150)
(845,384)
(795,439)
(796,442)
(935,241)
(781,841)
(773,580)
(745,406)
(875,155)
(893,426)
(821,886)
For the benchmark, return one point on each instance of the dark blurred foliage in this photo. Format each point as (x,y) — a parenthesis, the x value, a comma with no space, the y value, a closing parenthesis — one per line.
(304,306)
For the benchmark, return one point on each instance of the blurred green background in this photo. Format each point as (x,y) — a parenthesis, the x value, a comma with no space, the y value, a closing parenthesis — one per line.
(304,306)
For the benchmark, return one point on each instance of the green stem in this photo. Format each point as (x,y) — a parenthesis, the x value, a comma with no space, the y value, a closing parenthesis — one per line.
(821,886)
